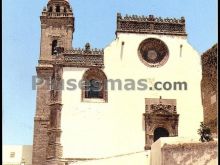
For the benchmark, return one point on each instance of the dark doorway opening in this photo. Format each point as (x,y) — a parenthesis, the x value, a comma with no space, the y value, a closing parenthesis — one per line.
(160,132)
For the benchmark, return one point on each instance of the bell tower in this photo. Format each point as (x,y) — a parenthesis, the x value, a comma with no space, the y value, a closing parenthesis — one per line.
(57,27)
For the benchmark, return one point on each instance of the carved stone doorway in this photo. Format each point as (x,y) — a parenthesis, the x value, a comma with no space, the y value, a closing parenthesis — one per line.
(160,132)
(161,119)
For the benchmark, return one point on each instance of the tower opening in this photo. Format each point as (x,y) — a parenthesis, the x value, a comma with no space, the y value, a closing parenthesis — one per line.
(57,8)
(54,46)
(50,9)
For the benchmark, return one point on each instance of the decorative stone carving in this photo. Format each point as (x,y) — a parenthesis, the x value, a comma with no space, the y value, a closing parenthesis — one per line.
(150,25)
(84,61)
(158,107)
(84,57)
(69,21)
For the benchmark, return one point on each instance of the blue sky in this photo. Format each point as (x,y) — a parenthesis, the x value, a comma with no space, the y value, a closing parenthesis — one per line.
(95,22)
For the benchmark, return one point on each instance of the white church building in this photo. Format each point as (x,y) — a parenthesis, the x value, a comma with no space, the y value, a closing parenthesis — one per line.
(116,101)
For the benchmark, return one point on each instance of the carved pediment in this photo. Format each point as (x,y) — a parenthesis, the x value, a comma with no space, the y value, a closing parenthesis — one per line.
(158,108)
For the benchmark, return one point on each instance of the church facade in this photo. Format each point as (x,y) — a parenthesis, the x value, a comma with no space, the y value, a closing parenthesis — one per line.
(95,103)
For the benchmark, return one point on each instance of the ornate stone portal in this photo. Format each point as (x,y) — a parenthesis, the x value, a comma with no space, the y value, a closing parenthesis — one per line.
(160,115)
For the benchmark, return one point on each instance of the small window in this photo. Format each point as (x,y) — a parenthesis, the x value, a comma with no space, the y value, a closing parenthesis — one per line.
(64,10)
(54,47)
(57,8)
(12,154)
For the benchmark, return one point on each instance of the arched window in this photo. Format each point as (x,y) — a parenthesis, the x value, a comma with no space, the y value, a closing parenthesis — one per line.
(57,8)
(64,10)
(54,46)
(94,85)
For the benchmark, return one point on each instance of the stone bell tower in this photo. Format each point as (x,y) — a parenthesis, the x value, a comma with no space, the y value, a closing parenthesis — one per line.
(57,27)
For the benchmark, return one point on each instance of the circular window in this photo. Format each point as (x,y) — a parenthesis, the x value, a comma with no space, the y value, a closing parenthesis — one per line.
(153,52)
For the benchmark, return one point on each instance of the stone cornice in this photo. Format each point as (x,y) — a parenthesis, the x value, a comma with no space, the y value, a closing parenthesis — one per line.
(150,25)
